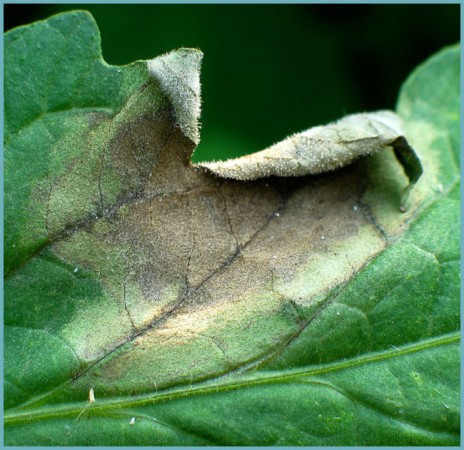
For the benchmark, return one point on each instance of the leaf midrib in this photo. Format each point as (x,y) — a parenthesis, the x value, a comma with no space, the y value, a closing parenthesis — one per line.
(223,384)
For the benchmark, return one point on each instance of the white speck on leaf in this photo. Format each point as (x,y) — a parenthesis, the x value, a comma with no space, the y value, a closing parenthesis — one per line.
(91,395)
(91,399)
(132,421)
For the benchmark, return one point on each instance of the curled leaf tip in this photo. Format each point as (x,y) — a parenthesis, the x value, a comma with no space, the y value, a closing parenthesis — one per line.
(412,166)
(325,148)
(178,74)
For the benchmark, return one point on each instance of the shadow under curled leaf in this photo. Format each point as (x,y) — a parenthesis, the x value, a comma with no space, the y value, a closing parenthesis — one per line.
(208,311)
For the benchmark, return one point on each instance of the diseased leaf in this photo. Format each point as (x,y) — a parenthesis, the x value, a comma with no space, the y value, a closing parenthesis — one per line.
(324,148)
(196,310)
(178,74)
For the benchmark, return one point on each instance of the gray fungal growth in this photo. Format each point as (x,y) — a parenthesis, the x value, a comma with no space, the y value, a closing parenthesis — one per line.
(178,75)
(325,148)
(319,149)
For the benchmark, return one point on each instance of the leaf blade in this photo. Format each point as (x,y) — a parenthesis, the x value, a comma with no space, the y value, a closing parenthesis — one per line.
(214,367)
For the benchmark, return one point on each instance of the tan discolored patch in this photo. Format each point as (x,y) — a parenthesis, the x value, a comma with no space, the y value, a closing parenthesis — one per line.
(208,274)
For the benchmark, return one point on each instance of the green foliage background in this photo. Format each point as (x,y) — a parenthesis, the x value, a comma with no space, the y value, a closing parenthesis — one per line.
(272,70)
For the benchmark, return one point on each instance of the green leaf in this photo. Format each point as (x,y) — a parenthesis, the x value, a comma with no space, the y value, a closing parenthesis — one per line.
(205,311)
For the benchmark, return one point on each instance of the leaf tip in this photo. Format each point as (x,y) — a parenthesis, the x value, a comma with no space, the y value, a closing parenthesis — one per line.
(178,74)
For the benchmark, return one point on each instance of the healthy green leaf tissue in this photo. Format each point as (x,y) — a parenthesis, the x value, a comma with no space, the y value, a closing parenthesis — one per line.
(149,301)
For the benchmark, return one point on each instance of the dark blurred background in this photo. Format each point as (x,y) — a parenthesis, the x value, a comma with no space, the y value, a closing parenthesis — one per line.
(272,70)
